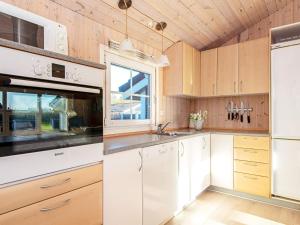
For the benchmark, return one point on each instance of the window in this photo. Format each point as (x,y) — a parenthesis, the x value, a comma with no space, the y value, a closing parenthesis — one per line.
(130,92)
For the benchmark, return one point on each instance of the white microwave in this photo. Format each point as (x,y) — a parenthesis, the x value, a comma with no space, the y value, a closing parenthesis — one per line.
(24,27)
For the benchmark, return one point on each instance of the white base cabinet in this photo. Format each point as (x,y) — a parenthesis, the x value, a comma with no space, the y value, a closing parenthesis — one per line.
(194,168)
(123,197)
(160,174)
(222,161)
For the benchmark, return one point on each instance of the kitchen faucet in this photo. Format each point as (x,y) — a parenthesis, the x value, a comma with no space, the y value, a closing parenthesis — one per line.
(161,128)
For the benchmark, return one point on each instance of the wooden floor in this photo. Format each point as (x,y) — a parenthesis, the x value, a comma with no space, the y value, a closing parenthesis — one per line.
(213,208)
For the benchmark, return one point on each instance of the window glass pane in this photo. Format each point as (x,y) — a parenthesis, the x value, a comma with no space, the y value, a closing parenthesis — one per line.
(120,79)
(140,108)
(140,83)
(120,107)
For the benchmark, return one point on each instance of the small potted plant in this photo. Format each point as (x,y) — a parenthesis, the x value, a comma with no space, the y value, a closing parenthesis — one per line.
(197,119)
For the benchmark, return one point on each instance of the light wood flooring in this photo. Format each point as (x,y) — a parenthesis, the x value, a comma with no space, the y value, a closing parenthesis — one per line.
(213,208)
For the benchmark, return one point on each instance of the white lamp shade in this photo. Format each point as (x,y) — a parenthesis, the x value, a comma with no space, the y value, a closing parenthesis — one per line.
(126,45)
(163,61)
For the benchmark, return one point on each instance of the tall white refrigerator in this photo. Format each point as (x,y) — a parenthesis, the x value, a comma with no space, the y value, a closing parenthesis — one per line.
(285,95)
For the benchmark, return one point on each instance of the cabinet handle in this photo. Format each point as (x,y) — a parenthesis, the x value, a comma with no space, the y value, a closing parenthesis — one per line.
(234,87)
(56,184)
(250,178)
(141,158)
(162,151)
(251,151)
(250,164)
(60,205)
(204,143)
(241,86)
(182,149)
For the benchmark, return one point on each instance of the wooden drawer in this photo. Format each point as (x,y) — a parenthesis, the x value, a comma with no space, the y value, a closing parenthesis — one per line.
(24,194)
(252,184)
(255,168)
(253,155)
(80,207)
(252,142)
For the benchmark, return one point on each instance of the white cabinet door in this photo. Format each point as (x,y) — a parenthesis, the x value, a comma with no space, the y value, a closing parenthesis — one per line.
(196,151)
(205,162)
(160,173)
(285,92)
(286,167)
(222,160)
(122,174)
(199,164)
(184,195)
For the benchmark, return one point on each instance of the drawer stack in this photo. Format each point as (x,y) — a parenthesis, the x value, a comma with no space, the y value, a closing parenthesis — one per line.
(252,165)
(73,197)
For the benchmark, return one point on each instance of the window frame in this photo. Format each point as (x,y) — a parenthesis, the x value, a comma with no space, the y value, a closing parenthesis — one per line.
(112,58)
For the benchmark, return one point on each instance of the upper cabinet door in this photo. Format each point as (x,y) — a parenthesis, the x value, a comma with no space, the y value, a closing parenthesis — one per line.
(227,78)
(187,69)
(173,74)
(209,61)
(254,66)
(196,73)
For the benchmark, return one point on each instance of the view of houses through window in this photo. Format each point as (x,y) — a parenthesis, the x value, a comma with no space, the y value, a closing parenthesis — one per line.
(130,94)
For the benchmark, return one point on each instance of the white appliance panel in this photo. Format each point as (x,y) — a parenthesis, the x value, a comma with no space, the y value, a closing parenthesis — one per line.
(19,167)
(160,173)
(123,188)
(286,92)
(28,65)
(286,168)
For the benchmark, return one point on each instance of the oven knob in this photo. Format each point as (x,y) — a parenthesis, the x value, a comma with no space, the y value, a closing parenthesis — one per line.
(76,77)
(38,70)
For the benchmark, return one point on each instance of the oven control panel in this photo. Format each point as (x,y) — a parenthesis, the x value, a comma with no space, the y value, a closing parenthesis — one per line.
(24,64)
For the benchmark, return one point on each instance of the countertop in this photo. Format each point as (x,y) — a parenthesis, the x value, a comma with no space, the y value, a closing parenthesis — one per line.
(42,52)
(118,144)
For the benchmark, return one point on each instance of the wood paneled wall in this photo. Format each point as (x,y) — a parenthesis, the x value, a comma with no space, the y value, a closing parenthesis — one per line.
(173,109)
(289,14)
(217,113)
(85,36)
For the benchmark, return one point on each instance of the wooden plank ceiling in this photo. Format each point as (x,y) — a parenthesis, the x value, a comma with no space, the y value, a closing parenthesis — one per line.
(201,23)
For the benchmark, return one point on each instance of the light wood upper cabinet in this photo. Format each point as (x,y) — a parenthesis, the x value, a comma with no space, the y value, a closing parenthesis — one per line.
(187,71)
(254,66)
(196,81)
(209,62)
(227,76)
(182,77)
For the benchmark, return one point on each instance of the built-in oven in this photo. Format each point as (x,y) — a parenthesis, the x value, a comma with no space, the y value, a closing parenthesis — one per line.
(49,121)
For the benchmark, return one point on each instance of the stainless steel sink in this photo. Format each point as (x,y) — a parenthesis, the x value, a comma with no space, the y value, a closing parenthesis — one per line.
(178,133)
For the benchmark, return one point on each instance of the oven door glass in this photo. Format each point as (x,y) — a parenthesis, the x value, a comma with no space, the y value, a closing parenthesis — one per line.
(35,120)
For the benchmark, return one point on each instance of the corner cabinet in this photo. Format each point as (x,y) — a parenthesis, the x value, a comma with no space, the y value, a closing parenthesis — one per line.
(123,188)
(254,66)
(182,77)
(194,168)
